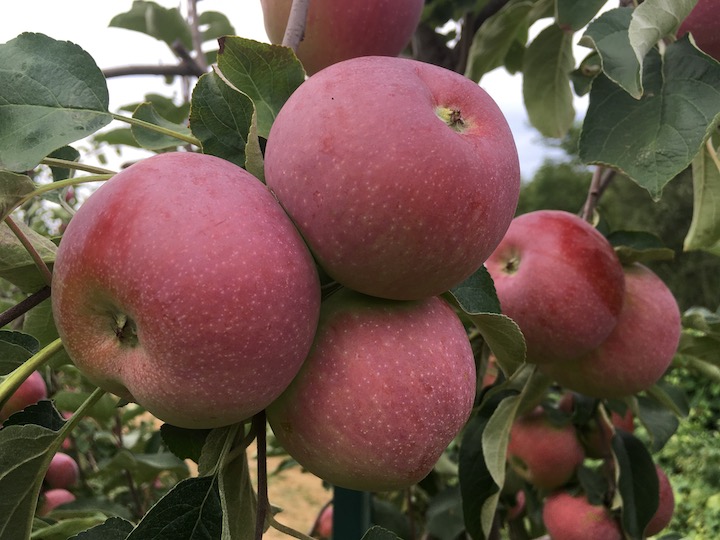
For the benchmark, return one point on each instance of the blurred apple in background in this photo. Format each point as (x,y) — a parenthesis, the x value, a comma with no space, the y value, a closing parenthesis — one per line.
(569,517)
(704,25)
(63,471)
(32,390)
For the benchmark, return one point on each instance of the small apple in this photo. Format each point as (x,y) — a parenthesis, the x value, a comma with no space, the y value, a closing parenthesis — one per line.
(385,389)
(569,517)
(324,523)
(32,390)
(182,285)
(336,31)
(637,352)
(401,176)
(518,508)
(544,452)
(666,506)
(63,472)
(703,23)
(52,498)
(559,279)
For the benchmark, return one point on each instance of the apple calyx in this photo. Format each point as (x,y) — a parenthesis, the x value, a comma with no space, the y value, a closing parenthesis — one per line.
(125,329)
(452,116)
(512,265)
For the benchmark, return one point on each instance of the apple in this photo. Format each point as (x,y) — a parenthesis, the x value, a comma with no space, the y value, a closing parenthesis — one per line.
(401,176)
(63,471)
(666,506)
(569,517)
(518,508)
(52,498)
(324,523)
(181,284)
(560,280)
(30,391)
(336,31)
(385,389)
(703,23)
(640,348)
(544,452)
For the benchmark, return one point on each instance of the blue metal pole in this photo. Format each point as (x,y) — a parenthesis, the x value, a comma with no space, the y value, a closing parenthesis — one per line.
(351,514)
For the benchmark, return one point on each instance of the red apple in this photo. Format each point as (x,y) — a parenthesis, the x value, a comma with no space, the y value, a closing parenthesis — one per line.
(324,523)
(401,176)
(543,452)
(385,389)
(53,498)
(32,390)
(666,506)
(336,31)
(640,348)
(703,23)
(182,285)
(559,279)
(573,518)
(63,472)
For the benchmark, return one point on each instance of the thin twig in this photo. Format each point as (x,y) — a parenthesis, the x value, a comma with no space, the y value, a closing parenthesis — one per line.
(295,29)
(24,306)
(196,37)
(27,244)
(183,69)
(600,181)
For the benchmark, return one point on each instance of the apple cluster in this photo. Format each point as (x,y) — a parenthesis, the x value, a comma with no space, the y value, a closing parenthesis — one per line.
(546,449)
(591,324)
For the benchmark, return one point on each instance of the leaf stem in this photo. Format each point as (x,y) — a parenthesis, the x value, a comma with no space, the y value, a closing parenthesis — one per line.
(24,306)
(712,153)
(27,244)
(18,376)
(44,188)
(287,530)
(158,129)
(295,29)
(74,165)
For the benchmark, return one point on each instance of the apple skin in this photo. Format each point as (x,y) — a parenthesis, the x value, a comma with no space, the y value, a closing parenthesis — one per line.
(574,518)
(324,523)
(63,472)
(220,293)
(640,348)
(52,498)
(392,200)
(337,31)
(544,453)
(385,389)
(560,280)
(32,390)
(703,23)
(666,505)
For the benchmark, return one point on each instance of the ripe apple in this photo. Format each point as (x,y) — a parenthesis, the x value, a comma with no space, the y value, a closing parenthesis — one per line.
(666,506)
(324,523)
(703,23)
(385,389)
(182,285)
(544,452)
(336,31)
(52,498)
(63,472)
(559,279)
(32,390)
(402,176)
(573,518)
(640,348)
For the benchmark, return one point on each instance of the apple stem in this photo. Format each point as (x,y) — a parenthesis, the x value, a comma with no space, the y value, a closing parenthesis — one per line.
(13,381)
(295,29)
(125,329)
(24,306)
(28,245)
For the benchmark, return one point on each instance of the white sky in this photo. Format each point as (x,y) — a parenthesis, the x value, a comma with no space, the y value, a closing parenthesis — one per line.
(85,22)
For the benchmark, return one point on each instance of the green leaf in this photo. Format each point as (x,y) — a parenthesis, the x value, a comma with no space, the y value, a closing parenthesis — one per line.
(637,482)
(493,40)
(64,528)
(267,74)
(660,422)
(68,153)
(114,528)
(704,232)
(548,62)
(16,265)
(608,34)
(184,443)
(116,137)
(15,348)
(504,338)
(190,511)
(574,14)
(652,20)
(653,139)
(221,118)
(39,322)
(238,498)
(25,453)
(477,294)
(143,467)
(585,74)
(164,24)
(102,411)
(378,533)
(215,25)
(153,140)
(53,94)
(13,188)
(445,515)
(639,246)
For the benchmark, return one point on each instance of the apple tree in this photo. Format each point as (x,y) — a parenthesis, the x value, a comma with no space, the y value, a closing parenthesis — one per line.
(327,242)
